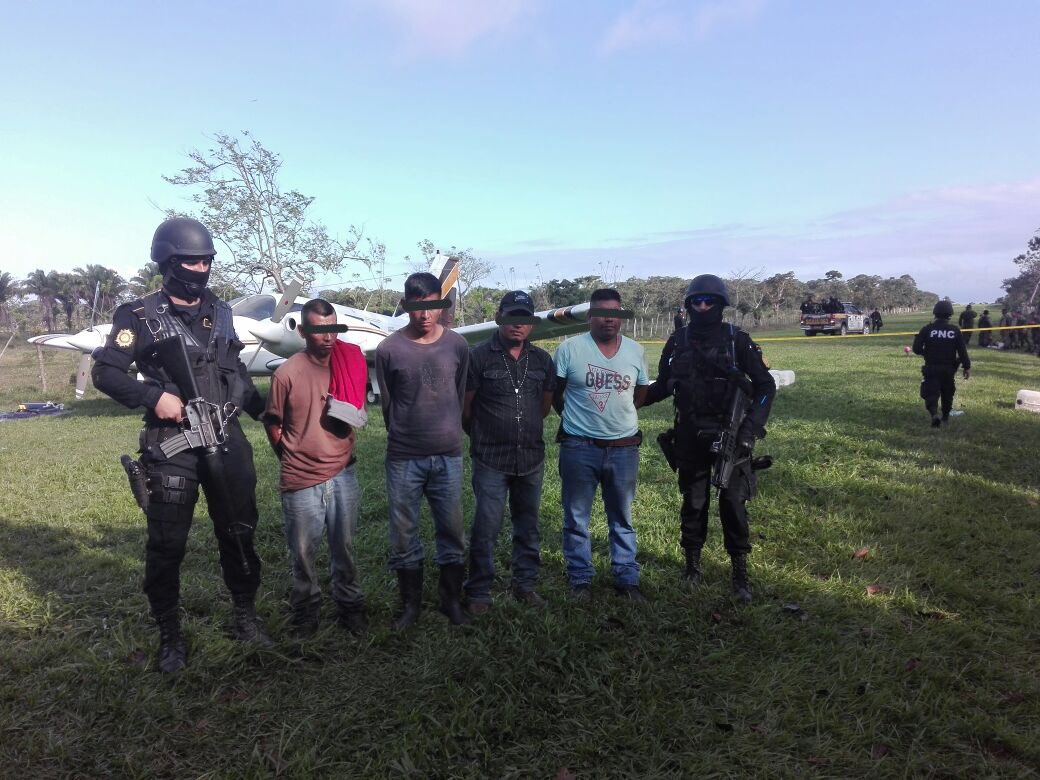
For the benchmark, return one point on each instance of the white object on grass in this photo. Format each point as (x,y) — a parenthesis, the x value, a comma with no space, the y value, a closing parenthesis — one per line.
(1029,400)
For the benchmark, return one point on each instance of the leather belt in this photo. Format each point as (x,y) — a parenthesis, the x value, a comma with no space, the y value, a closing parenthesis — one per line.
(628,441)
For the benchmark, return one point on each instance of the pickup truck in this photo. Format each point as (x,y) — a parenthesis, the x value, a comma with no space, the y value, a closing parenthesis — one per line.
(849,320)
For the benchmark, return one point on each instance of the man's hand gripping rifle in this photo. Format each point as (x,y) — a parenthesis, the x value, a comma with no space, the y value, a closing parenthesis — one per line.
(204,427)
(729,451)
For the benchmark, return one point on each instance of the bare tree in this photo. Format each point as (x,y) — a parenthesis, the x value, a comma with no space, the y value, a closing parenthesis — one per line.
(266,231)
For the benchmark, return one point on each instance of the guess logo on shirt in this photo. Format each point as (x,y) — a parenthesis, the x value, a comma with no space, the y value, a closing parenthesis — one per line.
(602,382)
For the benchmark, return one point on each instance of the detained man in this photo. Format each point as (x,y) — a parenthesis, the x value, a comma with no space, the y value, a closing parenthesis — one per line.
(421,370)
(601,379)
(315,403)
(508,394)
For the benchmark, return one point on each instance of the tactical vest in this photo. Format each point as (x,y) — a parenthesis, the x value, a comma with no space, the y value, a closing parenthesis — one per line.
(214,363)
(698,377)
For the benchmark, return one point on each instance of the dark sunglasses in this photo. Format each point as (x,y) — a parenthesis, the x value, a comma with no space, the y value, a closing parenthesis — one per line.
(711,300)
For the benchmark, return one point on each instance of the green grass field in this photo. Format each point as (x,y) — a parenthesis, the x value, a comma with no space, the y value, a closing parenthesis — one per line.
(918,659)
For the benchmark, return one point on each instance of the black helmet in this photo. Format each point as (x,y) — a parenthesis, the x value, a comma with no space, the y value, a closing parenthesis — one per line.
(181,237)
(707,284)
(943,310)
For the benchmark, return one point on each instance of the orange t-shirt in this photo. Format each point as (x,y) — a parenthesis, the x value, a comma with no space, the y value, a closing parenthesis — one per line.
(315,447)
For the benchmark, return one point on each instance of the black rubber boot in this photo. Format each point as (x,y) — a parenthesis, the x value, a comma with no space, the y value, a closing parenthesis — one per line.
(409,582)
(741,586)
(244,624)
(692,574)
(306,619)
(173,649)
(450,590)
(353,617)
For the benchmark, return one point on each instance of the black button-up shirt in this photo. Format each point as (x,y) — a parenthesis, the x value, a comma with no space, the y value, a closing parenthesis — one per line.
(507,389)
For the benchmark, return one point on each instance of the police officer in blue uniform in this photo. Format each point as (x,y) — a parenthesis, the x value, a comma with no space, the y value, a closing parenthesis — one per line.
(184,252)
(698,367)
(942,345)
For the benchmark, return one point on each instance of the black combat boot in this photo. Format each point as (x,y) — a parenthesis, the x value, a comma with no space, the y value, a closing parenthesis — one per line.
(450,590)
(353,617)
(306,618)
(173,649)
(409,582)
(244,624)
(692,574)
(741,586)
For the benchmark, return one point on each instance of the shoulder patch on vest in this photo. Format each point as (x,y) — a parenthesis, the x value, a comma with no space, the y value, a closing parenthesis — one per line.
(125,338)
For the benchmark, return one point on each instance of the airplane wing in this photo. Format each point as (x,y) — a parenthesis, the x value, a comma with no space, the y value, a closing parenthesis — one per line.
(554,323)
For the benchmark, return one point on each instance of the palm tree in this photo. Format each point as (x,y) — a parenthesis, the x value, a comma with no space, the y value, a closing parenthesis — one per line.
(69,292)
(8,289)
(111,286)
(44,286)
(149,279)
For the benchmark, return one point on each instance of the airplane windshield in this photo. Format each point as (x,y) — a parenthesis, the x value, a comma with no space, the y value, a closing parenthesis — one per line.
(258,307)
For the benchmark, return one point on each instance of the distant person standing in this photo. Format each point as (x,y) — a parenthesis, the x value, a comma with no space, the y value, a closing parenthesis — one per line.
(875,321)
(985,336)
(967,320)
(808,305)
(1021,334)
(942,346)
(1005,321)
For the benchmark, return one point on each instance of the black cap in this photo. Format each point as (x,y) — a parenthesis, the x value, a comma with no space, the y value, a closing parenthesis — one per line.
(515,302)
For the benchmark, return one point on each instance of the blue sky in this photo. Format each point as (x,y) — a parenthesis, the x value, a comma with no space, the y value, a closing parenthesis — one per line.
(555,139)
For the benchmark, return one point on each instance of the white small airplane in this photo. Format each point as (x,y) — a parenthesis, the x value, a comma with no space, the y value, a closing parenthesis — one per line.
(266,323)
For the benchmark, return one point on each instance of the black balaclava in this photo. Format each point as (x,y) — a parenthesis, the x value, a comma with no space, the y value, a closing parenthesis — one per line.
(702,320)
(181,282)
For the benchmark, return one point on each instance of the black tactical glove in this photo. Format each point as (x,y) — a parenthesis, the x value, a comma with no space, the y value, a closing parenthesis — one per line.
(746,437)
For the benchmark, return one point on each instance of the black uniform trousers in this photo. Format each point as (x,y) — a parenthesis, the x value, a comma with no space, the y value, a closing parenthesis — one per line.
(938,383)
(172,506)
(695,464)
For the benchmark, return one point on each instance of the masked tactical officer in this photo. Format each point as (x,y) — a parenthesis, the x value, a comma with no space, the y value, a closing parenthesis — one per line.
(701,366)
(183,250)
(942,345)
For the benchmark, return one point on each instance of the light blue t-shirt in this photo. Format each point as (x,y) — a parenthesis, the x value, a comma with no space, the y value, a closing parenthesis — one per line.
(598,401)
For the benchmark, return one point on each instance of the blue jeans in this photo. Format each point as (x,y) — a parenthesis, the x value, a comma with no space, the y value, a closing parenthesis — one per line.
(439,478)
(330,505)
(583,467)
(525,495)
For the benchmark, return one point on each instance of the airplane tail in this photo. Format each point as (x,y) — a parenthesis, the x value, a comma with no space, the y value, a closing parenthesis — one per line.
(446,269)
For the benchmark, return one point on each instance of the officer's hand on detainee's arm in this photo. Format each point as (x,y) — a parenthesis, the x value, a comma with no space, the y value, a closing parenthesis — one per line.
(967,373)
(169,407)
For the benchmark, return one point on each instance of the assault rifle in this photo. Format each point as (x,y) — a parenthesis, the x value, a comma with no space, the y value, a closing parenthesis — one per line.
(204,427)
(726,447)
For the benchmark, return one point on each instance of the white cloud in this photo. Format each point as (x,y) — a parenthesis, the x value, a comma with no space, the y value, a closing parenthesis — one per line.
(957,241)
(719,14)
(665,22)
(450,27)
(647,22)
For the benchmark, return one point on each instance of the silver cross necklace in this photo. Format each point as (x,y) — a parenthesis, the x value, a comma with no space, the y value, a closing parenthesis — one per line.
(517,386)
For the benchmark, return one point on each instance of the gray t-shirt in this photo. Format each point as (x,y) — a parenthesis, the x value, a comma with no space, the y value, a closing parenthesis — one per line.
(421,387)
